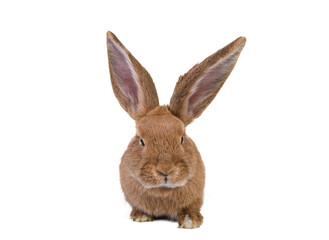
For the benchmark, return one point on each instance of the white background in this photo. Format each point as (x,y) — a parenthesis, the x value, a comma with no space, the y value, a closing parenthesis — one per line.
(264,139)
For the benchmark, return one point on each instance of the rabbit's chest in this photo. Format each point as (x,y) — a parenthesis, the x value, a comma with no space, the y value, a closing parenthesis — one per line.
(159,206)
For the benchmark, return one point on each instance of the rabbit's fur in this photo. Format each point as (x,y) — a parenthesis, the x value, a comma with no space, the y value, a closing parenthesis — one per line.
(161,172)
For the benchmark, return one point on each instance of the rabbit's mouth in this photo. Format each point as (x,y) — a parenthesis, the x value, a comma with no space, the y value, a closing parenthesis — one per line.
(164,184)
(167,184)
(155,179)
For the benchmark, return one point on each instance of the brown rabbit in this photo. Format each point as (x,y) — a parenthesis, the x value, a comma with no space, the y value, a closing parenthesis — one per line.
(161,172)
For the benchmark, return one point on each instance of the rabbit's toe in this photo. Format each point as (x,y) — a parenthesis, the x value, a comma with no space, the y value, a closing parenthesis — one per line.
(139,216)
(192,220)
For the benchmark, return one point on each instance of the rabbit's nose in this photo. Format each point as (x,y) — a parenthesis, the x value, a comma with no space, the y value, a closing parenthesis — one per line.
(165,174)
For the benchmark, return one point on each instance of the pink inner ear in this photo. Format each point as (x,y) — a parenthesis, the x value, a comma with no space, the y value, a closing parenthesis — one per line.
(205,85)
(209,82)
(124,73)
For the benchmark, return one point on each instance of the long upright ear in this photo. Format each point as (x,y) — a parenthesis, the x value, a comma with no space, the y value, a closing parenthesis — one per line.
(196,89)
(131,83)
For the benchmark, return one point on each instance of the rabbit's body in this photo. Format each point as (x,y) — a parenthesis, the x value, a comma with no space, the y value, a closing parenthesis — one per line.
(161,172)
(146,190)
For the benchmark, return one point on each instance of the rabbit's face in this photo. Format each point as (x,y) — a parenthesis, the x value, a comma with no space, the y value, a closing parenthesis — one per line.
(166,156)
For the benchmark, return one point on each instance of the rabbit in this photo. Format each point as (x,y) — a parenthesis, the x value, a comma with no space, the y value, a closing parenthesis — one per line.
(161,172)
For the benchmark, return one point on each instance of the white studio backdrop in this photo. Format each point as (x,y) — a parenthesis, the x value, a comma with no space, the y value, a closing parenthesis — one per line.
(264,139)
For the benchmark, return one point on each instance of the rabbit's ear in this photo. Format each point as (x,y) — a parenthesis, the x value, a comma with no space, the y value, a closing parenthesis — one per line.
(196,89)
(131,83)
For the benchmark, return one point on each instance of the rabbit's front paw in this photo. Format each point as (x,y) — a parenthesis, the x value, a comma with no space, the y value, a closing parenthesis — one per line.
(139,216)
(190,220)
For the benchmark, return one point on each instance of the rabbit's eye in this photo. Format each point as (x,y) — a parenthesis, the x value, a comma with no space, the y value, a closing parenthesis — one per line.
(142,142)
(181,140)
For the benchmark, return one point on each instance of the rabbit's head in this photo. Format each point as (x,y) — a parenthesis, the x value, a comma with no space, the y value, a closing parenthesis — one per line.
(161,154)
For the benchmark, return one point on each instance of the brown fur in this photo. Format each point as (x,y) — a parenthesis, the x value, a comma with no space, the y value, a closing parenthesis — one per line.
(143,168)
(162,152)
(149,96)
(187,82)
